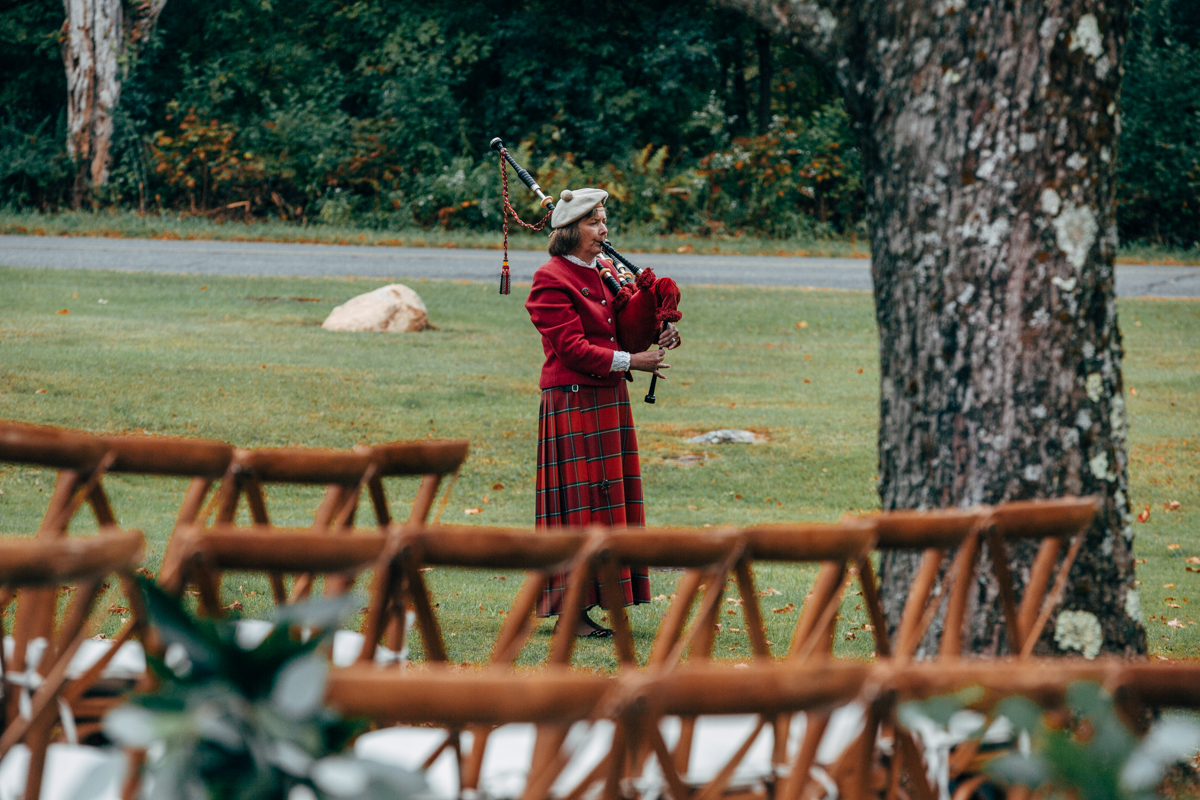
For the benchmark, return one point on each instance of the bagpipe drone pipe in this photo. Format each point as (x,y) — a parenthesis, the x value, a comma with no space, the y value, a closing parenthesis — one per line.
(644,303)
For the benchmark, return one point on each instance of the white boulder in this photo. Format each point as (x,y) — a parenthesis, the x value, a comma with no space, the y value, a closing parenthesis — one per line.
(390,308)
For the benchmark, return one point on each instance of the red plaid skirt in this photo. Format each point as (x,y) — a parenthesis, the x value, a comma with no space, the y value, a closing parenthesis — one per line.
(588,474)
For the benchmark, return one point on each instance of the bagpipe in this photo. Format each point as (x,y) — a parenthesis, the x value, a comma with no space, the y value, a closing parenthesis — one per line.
(643,302)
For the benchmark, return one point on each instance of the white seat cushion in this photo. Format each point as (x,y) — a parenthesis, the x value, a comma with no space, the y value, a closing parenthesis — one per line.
(408,748)
(72,772)
(506,759)
(346,644)
(715,739)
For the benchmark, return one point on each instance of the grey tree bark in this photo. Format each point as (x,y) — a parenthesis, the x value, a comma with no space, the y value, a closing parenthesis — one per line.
(989,139)
(99,39)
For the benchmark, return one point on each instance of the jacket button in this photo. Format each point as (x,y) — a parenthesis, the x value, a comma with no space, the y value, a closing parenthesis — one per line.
(610,320)
(612,338)
(603,302)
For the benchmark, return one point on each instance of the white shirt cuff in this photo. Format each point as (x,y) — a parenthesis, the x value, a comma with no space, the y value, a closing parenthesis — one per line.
(620,361)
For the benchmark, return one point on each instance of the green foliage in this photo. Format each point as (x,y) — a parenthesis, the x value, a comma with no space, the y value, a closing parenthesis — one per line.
(377,114)
(788,178)
(229,721)
(1089,755)
(1159,195)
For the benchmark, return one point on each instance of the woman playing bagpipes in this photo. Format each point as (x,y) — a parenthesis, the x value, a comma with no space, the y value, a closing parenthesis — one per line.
(587,458)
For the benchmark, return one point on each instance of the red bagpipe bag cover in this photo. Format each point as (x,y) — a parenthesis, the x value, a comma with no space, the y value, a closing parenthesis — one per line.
(642,311)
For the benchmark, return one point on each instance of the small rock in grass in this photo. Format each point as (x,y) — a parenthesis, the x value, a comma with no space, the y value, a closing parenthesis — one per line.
(387,309)
(725,436)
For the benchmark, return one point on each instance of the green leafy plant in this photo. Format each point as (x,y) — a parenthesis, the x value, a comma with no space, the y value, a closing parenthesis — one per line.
(246,723)
(1087,752)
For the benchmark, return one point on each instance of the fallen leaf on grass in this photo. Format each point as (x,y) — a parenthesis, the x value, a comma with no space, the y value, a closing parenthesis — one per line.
(851,635)
(102,301)
(1172,506)
(1133,391)
(692,508)
(116,609)
(40,391)
(234,606)
(1173,547)
(1174,605)
(659,598)
(1169,586)
(768,592)
(498,578)
(1174,623)
(64,311)
(789,608)
(801,324)
(731,611)
(497,487)
(145,573)
(470,511)
(1145,515)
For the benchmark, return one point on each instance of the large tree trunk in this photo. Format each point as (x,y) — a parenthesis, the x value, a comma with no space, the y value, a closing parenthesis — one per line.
(989,135)
(97,47)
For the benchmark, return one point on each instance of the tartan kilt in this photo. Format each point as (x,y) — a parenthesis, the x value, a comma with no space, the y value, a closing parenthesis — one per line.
(588,474)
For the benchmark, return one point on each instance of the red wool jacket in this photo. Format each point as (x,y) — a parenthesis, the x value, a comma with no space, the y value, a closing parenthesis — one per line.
(572,310)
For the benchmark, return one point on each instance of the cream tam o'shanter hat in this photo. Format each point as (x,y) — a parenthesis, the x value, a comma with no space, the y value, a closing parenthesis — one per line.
(576,203)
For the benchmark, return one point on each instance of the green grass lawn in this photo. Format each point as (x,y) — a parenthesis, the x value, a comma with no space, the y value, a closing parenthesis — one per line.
(244,360)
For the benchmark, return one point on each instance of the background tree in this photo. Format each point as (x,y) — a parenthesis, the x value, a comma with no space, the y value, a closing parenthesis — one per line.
(989,140)
(100,38)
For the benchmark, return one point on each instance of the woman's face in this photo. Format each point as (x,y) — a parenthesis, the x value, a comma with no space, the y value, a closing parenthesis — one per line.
(592,231)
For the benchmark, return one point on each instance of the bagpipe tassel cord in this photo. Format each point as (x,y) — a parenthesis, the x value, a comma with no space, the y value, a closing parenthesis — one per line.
(505,279)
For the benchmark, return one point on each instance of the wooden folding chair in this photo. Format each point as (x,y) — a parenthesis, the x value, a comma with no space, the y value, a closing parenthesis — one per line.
(82,461)
(936,534)
(444,702)
(202,554)
(399,584)
(831,547)
(345,474)
(763,690)
(43,652)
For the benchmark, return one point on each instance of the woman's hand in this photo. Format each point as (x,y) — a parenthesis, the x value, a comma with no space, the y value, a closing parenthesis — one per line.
(649,361)
(669,338)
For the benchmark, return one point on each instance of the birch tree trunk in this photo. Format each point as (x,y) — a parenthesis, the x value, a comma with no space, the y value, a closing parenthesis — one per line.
(989,136)
(97,47)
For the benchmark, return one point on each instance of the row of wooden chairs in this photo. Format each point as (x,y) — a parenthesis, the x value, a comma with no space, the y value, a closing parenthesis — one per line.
(220,478)
(630,716)
(201,551)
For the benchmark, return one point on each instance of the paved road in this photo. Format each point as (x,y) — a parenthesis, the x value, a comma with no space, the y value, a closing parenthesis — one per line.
(264,258)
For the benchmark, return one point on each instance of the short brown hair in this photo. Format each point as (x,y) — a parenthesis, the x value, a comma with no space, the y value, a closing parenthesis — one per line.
(564,240)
